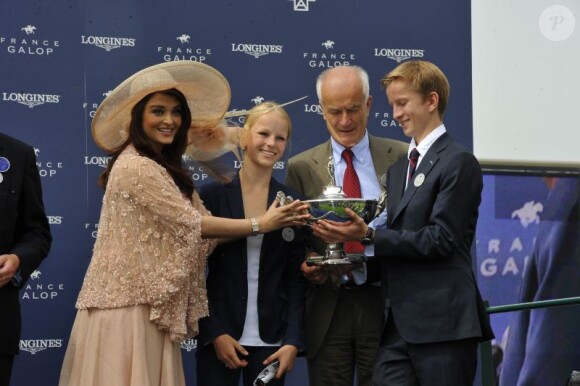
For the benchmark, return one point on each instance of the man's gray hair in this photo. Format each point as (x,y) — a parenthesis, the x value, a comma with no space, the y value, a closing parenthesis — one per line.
(363,75)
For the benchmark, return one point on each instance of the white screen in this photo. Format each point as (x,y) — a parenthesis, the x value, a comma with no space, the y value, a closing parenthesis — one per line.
(526,81)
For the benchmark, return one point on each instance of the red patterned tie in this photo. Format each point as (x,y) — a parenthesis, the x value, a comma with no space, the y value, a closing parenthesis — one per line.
(351,186)
(413,158)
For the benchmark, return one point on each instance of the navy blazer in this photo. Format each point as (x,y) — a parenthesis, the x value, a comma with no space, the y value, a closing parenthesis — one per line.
(24,231)
(280,285)
(425,252)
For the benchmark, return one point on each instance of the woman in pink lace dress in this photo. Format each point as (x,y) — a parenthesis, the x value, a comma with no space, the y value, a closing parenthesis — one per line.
(144,290)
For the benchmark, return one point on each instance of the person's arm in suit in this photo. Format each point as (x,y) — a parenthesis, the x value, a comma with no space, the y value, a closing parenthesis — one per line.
(32,238)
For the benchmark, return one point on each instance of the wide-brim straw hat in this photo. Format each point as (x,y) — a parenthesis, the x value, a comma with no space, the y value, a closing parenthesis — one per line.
(206,90)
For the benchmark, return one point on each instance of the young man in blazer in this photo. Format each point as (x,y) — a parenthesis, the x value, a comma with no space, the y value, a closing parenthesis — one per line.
(24,239)
(435,316)
(343,322)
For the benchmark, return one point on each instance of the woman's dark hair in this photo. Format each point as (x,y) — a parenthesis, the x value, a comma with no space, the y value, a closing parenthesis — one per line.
(170,156)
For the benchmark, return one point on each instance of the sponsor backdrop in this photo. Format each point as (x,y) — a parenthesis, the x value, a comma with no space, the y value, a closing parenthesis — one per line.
(61,58)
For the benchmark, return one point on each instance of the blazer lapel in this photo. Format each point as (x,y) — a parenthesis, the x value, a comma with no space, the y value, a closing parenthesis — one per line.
(396,188)
(382,158)
(319,167)
(424,168)
(234,198)
(269,237)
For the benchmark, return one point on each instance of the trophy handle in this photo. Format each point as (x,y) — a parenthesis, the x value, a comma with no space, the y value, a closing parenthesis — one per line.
(330,170)
(283,199)
(382,203)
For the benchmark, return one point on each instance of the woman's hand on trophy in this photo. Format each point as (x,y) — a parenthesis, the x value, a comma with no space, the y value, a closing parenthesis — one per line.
(280,216)
(338,232)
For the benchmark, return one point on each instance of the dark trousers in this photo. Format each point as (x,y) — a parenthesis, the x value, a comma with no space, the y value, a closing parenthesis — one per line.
(212,371)
(351,342)
(5,369)
(400,363)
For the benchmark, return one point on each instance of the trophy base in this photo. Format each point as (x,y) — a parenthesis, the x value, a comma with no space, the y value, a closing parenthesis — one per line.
(323,260)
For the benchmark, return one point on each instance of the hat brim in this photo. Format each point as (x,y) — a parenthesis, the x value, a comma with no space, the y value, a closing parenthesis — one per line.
(207,92)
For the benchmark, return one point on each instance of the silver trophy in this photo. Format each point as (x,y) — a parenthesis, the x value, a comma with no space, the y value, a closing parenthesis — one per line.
(331,205)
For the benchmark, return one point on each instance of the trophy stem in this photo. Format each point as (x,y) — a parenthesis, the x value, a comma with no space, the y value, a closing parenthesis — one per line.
(335,251)
(336,255)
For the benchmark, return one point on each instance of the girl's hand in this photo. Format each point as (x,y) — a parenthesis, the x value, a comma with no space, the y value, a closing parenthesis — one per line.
(293,214)
(286,355)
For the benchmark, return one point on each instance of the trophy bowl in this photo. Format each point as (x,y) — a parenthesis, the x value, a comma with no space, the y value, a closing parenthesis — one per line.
(331,205)
(333,208)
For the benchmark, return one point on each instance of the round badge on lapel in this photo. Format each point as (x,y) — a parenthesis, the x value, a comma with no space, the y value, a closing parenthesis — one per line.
(419,180)
(288,234)
(4,164)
